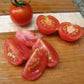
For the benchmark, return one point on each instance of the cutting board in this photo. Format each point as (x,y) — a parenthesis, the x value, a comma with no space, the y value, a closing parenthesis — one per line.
(69,70)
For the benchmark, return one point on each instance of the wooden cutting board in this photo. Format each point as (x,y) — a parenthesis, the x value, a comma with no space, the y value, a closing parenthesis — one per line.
(69,70)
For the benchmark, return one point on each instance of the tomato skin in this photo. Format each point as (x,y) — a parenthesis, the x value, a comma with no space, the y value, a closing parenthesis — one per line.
(35,66)
(46,30)
(27,37)
(15,51)
(67,36)
(49,51)
(20,16)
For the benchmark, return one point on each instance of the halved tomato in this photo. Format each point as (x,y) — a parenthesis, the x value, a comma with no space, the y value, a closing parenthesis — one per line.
(47,24)
(49,51)
(15,51)
(35,65)
(27,37)
(70,32)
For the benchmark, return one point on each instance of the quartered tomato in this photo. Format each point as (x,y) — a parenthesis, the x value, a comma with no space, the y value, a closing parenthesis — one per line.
(70,32)
(35,65)
(15,51)
(49,51)
(27,37)
(47,24)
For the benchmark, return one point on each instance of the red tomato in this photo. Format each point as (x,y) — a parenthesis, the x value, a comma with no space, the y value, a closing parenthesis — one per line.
(35,65)
(47,24)
(27,37)
(20,15)
(49,51)
(15,52)
(70,32)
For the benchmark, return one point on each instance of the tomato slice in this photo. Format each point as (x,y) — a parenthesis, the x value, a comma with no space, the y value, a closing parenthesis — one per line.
(49,51)
(70,32)
(27,37)
(15,51)
(47,24)
(35,65)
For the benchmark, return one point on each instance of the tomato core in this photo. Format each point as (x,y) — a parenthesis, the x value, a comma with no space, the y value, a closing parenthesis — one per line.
(70,30)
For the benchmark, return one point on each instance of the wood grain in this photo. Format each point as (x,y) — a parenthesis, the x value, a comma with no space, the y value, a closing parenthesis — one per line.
(69,70)
(42,6)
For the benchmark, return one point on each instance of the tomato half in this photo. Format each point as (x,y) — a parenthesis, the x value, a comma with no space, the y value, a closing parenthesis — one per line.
(47,24)
(15,51)
(27,37)
(49,51)
(21,15)
(35,65)
(70,32)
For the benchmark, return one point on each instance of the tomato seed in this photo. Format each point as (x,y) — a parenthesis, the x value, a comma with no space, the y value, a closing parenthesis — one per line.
(44,25)
(53,22)
(64,28)
(74,33)
(49,57)
(65,31)
(53,25)
(56,28)
(77,29)
(11,55)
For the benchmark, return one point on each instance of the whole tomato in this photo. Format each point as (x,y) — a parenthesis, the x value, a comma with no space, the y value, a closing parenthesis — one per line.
(21,14)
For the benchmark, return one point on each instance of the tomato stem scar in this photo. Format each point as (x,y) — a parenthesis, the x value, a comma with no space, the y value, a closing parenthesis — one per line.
(47,19)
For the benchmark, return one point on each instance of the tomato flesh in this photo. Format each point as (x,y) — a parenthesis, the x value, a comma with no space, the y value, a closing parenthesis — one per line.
(27,37)
(15,52)
(49,51)
(47,24)
(35,65)
(70,32)
(21,16)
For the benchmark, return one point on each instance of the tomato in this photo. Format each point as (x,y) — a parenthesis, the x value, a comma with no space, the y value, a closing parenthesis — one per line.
(49,51)
(15,51)
(47,24)
(27,37)
(70,32)
(35,65)
(21,15)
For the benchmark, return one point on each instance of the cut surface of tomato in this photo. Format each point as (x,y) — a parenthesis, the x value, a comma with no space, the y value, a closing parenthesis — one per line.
(15,51)
(70,32)
(47,24)
(35,66)
(27,37)
(51,54)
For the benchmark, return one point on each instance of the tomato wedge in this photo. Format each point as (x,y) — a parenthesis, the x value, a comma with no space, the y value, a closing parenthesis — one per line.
(70,32)
(35,65)
(15,51)
(27,37)
(49,51)
(47,24)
